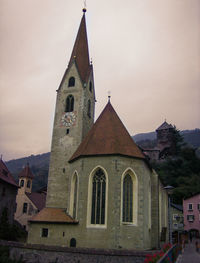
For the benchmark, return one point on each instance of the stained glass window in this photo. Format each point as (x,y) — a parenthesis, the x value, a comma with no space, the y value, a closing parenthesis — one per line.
(98,198)
(127,199)
(75,196)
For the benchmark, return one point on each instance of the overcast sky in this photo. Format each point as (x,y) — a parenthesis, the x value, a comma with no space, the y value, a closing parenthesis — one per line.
(145,52)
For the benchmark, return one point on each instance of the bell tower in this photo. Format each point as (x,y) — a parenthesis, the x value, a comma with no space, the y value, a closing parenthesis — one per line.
(74,116)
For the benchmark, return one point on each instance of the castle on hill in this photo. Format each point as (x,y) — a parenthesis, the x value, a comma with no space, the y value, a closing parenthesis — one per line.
(102,192)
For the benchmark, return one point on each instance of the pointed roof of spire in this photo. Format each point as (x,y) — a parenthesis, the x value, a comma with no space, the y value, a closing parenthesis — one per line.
(80,52)
(108,136)
(26,172)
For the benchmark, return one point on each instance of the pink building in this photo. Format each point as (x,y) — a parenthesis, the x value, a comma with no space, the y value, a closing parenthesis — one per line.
(191,211)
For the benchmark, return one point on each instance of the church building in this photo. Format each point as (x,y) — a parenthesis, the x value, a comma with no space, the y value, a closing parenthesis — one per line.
(102,192)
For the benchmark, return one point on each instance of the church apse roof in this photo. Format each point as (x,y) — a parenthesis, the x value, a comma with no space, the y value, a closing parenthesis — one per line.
(108,136)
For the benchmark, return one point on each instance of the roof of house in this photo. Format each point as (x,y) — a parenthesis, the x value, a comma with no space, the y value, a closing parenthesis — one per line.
(38,199)
(164,126)
(108,136)
(179,207)
(80,52)
(191,195)
(53,215)
(5,175)
(26,172)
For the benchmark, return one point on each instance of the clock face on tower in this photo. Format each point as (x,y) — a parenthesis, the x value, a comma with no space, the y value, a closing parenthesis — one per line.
(68,119)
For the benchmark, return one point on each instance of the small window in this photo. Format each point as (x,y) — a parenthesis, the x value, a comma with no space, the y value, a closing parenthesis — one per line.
(71,82)
(175,226)
(22,183)
(190,207)
(69,104)
(90,86)
(25,206)
(45,232)
(28,184)
(198,207)
(73,242)
(190,218)
(63,170)
(67,131)
(174,216)
(63,234)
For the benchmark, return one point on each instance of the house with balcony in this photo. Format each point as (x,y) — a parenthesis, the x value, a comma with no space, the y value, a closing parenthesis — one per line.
(191,211)
(177,219)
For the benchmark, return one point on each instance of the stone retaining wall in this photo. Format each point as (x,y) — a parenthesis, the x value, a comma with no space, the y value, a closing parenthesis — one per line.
(53,254)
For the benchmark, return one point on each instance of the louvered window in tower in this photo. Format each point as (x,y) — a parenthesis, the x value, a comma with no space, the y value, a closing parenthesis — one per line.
(90,86)
(71,82)
(69,104)
(89,109)
(127,199)
(98,198)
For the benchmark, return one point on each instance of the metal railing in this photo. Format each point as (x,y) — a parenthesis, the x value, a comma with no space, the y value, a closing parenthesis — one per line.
(171,255)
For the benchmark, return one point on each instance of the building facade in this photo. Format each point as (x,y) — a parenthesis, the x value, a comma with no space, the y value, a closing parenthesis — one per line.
(28,203)
(177,221)
(191,211)
(102,192)
(8,192)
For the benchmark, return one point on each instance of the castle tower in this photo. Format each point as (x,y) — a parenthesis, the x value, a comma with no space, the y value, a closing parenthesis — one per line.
(74,116)
(164,136)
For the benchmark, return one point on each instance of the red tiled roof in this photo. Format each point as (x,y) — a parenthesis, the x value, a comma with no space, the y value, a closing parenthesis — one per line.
(80,52)
(108,136)
(164,126)
(5,175)
(38,199)
(53,215)
(26,172)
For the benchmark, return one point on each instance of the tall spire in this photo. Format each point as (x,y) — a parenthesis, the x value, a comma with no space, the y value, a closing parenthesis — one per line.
(80,52)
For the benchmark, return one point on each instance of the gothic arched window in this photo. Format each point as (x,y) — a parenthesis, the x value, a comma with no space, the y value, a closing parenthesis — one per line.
(28,184)
(98,198)
(71,82)
(89,109)
(90,86)
(75,192)
(69,104)
(127,211)
(22,183)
